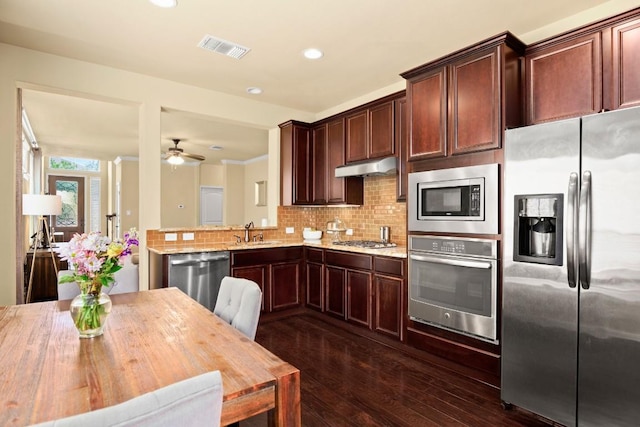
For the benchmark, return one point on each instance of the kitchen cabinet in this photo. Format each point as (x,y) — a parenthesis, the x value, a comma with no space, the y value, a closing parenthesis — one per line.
(370,133)
(320,169)
(329,153)
(584,71)
(463,102)
(402,140)
(295,164)
(349,286)
(278,272)
(389,304)
(315,278)
(366,290)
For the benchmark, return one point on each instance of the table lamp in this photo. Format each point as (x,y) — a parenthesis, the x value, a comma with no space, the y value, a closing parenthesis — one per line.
(41,205)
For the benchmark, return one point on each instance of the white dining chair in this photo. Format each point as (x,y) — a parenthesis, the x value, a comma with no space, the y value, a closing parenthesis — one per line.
(239,303)
(193,402)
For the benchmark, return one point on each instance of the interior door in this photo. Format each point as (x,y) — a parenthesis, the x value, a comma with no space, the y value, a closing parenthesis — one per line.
(71,220)
(211,203)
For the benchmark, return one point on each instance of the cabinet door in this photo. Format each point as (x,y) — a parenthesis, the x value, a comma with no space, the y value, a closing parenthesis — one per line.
(381,131)
(474,99)
(388,306)
(259,275)
(302,165)
(359,297)
(315,285)
(402,139)
(564,80)
(335,291)
(335,158)
(285,285)
(320,169)
(427,98)
(625,85)
(357,136)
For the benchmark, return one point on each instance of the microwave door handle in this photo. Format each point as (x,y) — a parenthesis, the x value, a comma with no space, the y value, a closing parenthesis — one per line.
(572,229)
(453,262)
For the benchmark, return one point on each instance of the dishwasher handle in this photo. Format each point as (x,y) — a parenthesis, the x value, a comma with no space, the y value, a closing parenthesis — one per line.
(196,261)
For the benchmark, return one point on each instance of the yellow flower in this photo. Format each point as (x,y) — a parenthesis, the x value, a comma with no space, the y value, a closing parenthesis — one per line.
(114,250)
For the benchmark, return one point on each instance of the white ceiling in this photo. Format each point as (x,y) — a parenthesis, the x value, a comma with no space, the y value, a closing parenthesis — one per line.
(367,44)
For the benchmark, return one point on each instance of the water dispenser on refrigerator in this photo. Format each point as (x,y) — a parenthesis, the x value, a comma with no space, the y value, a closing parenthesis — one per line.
(538,224)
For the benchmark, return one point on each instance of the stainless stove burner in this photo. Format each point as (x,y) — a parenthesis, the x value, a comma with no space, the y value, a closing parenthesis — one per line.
(370,244)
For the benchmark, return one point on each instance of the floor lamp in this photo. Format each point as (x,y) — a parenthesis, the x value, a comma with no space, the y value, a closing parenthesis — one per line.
(42,206)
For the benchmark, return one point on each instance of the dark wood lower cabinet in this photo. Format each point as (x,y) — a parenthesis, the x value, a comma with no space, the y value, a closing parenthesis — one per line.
(388,315)
(315,285)
(335,286)
(359,297)
(276,270)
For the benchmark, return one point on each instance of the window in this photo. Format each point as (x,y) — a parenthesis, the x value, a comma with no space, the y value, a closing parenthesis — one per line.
(75,164)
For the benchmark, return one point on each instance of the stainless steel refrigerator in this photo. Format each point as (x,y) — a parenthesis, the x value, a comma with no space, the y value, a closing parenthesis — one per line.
(571,270)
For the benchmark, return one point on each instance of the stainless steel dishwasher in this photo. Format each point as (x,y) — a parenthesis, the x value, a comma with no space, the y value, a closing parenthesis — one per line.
(199,274)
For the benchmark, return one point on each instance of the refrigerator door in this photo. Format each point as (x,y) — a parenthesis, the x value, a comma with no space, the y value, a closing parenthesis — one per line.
(609,339)
(539,308)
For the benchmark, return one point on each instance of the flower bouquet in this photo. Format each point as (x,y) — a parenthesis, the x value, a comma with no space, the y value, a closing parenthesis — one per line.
(95,258)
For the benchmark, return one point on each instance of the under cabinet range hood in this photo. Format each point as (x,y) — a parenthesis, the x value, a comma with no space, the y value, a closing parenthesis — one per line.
(386,166)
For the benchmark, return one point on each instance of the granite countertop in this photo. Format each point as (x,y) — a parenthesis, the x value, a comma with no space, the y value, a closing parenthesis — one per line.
(397,252)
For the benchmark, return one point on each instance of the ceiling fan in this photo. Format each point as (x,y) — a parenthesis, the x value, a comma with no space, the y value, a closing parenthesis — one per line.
(176,155)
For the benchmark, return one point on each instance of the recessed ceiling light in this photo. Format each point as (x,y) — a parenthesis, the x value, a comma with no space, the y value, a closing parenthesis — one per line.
(312,53)
(254,90)
(165,3)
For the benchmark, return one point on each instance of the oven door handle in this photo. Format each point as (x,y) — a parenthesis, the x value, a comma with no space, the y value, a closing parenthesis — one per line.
(455,262)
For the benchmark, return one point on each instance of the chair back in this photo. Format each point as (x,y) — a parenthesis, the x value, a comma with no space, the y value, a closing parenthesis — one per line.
(239,303)
(193,402)
(125,280)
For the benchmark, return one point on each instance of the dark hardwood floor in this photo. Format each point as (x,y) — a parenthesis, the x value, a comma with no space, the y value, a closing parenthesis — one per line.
(351,380)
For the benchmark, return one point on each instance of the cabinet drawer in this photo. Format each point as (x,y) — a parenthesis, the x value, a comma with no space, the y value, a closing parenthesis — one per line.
(265,256)
(314,255)
(349,260)
(391,266)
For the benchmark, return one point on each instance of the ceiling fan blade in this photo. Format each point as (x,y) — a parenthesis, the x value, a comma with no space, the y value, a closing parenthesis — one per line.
(193,156)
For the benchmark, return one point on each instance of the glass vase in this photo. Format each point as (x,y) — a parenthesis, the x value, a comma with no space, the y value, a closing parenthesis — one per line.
(89,312)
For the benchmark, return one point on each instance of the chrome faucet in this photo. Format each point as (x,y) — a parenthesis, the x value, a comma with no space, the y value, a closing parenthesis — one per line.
(247,238)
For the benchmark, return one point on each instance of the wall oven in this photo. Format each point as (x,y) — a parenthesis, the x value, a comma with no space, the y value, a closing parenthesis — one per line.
(453,284)
(455,200)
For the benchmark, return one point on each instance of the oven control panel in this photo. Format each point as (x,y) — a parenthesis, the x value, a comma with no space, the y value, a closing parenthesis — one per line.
(484,248)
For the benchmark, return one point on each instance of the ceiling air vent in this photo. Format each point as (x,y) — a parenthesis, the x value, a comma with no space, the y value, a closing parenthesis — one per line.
(223,46)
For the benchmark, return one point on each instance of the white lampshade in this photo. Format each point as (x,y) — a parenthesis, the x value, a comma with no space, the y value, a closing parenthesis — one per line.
(41,204)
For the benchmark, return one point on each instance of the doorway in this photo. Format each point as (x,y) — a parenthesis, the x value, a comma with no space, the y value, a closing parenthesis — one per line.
(71,220)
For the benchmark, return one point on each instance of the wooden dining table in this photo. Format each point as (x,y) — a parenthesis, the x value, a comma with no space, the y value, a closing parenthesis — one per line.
(151,339)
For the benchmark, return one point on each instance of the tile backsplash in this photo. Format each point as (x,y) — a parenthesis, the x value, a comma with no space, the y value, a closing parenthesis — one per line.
(380,208)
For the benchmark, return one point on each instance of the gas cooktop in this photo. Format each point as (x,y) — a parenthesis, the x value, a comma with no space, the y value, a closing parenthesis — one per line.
(371,244)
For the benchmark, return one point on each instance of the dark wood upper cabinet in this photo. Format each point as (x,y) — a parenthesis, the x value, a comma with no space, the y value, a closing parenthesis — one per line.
(296,165)
(584,71)
(357,136)
(402,140)
(564,79)
(381,131)
(320,169)
(348,190)
(463,102)
(370,133)
(625,64)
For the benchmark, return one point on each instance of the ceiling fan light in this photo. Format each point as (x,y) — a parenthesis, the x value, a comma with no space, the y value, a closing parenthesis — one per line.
(175,160)
(165,3)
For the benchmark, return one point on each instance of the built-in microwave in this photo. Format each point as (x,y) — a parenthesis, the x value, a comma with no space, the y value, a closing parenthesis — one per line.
(455,200)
